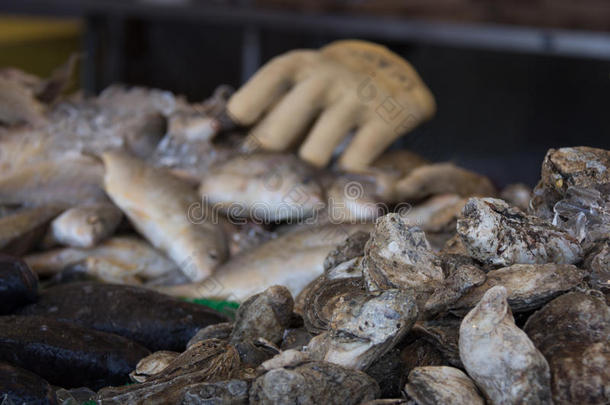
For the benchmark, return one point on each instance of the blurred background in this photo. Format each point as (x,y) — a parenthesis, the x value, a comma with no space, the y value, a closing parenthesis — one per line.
(511,78)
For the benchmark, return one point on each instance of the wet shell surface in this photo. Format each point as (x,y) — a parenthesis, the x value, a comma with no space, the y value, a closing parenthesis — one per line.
(313,383)
(500,357)
(364,328)
(528,286)
(399,256)
(442,385)
(573,333)
(497,234)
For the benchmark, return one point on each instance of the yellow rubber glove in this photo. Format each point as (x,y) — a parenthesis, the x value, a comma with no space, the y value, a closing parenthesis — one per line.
(346,85)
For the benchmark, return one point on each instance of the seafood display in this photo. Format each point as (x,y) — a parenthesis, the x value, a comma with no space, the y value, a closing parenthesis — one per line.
(153,253)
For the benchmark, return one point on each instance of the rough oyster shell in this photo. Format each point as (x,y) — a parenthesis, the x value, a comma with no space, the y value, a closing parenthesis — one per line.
(444,335)
(364,328)
(265,315)
(325,296)
(500,357)
(442,385)
(217,331)
(399,256)
(208,361)
(313,383)
(152,364)
(528,286)
(598,263)
(351,248)
(573,333)
(565,167)
(229,392)
(501,235)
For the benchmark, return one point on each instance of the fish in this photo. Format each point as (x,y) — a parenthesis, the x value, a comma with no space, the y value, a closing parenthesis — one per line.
(72,180)
(22,229)
(67,354)
(18,284)
(442,178)
(18,104)
(292,260)
(264,186)
(161,207)
(85,226)
(154,320)
(134,255)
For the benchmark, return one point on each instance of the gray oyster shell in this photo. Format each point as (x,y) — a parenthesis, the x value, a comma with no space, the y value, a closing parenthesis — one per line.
(313,383)
(444,335)
(352,247)
(230,392)
(497,234)
(152,364)
(399,256)
(442,385)
(217,331)
(209,361)
(364,328)
(528,286)
(265,315)
(568,167)
(500,357)
(573,333)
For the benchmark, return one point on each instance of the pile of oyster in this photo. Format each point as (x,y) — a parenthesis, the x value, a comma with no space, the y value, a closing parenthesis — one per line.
(512,311)
(348,294)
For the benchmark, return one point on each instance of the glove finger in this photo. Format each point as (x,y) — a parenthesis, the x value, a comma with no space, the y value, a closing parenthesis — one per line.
(368,143)
(291,116)
(327,132)
(267,85)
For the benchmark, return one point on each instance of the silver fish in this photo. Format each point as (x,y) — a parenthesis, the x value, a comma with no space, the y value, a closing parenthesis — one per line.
(160,207)
(265,186)
(86,225)
(134,255)
(292,260)
(74,179)
(21,229)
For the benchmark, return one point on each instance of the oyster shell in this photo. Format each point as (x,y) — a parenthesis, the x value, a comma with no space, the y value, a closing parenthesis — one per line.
(229,392)
(295,338)
(498,234)
(444,335)
(313,383)
(217,331)
(573,333)
(598,264)
(265,315)
(463,278)
(349,249)
(325,296)
(500,357)
(578,166)
(399,256)
(389,372)
(365,328)
(442,385)
(528,286)
(565,167)
(209,361)
(152,364)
